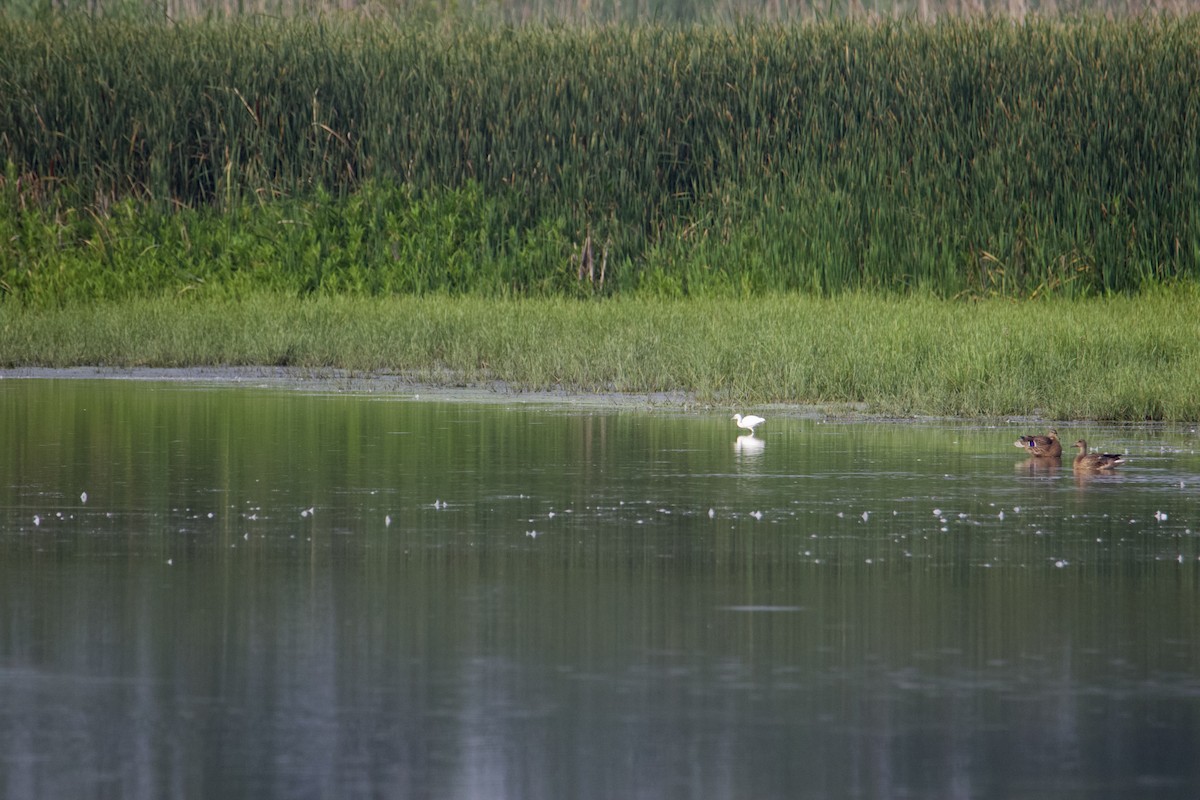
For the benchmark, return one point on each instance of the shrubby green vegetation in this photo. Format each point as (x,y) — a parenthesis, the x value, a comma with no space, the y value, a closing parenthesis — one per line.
(374,241)
(418,155)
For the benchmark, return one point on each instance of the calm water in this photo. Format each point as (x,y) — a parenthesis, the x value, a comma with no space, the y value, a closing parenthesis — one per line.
(273,594)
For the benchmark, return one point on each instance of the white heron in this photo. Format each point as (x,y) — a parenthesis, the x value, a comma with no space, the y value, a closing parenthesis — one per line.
(749,422)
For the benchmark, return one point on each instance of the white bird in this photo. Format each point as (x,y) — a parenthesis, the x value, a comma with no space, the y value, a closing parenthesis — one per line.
(749,422)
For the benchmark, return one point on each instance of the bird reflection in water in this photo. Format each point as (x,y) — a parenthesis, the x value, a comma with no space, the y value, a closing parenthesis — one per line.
(1039,465)
(748,446)
(1084,477)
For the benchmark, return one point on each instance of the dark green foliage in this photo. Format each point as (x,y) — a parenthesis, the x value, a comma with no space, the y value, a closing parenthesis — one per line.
(962,158)
(374,241)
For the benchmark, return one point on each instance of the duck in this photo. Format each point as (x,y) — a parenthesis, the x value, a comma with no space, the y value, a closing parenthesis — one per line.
(1047,446)
(749,422)
(1095,461)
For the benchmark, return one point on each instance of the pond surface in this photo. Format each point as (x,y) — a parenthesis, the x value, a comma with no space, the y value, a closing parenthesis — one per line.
(268,593)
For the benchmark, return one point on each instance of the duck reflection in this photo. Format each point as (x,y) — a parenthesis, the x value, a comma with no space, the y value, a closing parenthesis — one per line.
(1039,465)
(1086,477)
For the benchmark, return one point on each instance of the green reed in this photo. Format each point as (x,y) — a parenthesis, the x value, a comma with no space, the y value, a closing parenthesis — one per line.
(1129,358)
(525,12)
(968,159)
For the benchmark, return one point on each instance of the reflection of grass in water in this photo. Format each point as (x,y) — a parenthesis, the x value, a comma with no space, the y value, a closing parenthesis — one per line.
(1119,358)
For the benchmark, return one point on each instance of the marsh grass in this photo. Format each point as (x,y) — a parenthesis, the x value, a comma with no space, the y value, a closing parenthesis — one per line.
(600,11)
(1127,358)
(961,159)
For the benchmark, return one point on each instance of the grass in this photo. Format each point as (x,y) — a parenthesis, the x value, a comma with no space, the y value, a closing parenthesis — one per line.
(964,158)
(1121,358)
(837,212)
(602,11)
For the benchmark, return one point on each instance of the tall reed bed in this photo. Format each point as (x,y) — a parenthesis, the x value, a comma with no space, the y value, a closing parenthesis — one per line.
(606,11)
(963,158)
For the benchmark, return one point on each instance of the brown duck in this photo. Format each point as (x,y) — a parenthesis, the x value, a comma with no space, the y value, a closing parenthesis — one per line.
(1095,461)
(1046,446)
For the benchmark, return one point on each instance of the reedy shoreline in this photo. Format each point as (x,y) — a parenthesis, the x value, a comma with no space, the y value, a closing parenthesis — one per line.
(791,214)
(1120,358)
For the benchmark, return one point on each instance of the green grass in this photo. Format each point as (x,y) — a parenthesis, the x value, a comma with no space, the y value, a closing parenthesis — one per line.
(1118,358)
(979,158)
(526,12)
(840,212)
